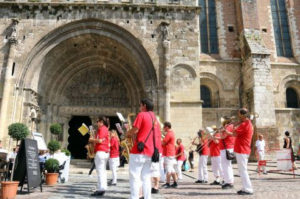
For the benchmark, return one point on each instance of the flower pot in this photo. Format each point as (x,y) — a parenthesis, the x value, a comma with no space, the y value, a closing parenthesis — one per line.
(51,178)
(9,189)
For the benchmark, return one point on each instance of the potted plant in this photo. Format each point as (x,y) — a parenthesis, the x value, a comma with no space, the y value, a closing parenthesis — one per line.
(16,131)
(52,168)
(56,130)
(53,146)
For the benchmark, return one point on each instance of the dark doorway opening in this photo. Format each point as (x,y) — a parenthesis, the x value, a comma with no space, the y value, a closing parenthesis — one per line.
(113,120)
(77,142)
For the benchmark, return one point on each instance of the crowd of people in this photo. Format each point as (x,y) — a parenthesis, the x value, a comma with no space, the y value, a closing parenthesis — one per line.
(231,141)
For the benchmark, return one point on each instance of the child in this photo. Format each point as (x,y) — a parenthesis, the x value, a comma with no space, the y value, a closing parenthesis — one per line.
(114,160)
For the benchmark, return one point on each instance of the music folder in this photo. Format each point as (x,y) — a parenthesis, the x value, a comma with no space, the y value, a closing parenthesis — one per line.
(83,129)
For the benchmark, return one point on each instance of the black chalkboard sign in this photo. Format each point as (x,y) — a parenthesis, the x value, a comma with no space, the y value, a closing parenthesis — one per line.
(27,168)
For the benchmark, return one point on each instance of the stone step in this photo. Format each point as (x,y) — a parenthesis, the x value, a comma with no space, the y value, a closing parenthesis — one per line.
(78,163)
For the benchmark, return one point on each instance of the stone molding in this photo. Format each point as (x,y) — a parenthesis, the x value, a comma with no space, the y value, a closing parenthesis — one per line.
(102,5)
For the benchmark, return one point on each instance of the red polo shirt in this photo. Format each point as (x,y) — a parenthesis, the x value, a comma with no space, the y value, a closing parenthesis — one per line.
(180,149)
(205,147)
(143,123)
(169,147)
(243,138)
(214,147)
(229,140)
(103,134)
(114,147)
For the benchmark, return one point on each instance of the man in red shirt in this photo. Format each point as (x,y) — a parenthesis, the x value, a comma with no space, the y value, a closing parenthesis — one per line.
(169,154)
(203,152)
(180,157)
(242,149)
(140,160)
(215,158)
(102,153)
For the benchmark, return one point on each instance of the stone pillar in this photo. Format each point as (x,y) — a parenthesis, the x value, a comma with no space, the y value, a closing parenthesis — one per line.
(257,85)
(166,45)
(167,72)
(9,80)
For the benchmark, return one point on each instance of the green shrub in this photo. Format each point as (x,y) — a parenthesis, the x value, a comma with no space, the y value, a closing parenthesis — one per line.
(18,131)
(53,146)
(52,165)
(56,129)
(66,151)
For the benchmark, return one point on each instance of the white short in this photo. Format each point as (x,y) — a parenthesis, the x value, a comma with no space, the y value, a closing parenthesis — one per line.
(170,163)
(155,170)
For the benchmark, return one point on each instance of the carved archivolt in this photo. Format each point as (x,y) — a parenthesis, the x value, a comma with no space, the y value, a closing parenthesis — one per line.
(182,76)
(96,87)
(284,82)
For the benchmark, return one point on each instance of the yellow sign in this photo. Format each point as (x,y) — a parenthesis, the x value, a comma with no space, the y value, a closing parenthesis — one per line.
(84,129)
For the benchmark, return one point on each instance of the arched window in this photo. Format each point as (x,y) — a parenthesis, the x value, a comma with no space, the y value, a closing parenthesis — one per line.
(205,96)
(281,28)
(208,27)
(291,98)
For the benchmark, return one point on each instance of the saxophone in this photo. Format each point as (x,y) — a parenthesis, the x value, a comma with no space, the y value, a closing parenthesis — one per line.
(127,143)
(91,146)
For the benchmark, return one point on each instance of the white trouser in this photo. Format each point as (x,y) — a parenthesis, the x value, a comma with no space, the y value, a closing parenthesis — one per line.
(242,161)
(178,169)
(170,163)
(100,163)
(202,168)
(139,174)
(216,167)
(227,167)
(113,166)
(162,169)
(261,156)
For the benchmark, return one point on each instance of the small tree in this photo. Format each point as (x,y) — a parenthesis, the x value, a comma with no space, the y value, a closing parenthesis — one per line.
(56,130)
(66,151)
(18,131)
(53,146)
(52,165)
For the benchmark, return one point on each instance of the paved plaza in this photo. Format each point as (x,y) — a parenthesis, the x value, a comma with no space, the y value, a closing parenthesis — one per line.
(273,185)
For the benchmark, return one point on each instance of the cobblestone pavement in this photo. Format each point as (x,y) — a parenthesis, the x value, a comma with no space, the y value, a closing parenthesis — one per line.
(273,186)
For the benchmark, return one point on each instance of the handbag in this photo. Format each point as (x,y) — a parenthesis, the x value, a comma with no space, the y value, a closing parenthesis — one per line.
(155,155)
(229,155)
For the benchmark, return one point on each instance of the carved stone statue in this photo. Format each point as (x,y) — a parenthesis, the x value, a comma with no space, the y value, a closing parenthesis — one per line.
(13,35)
(164,30)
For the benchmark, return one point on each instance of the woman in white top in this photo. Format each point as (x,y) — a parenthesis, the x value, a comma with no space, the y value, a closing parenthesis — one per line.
(260,151)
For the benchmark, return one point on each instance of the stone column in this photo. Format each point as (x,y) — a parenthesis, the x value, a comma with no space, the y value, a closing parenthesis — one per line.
(166,64)
(167,117)
(9,80)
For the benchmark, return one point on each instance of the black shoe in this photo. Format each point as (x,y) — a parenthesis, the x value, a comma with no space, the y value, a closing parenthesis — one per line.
(204,182)
(199,181)
(141,197)
(110,183)
(241,192)
(153,190)
(167,185)
(98,193)
(227,186)
(174,185)
(215,183)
